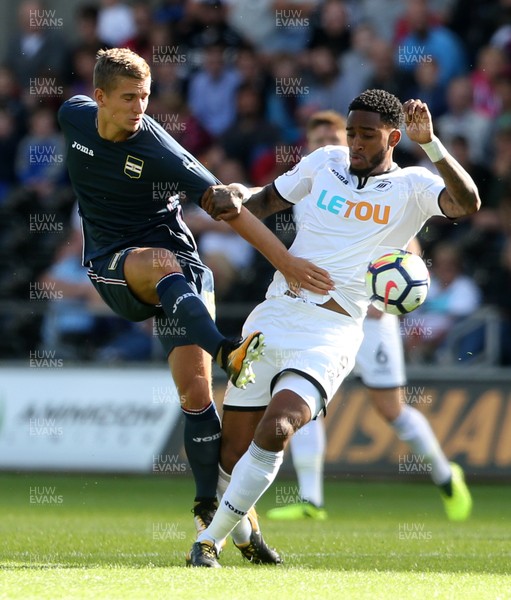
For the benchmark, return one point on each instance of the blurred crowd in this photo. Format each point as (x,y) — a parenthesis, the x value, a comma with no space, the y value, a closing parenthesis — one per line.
(235,82)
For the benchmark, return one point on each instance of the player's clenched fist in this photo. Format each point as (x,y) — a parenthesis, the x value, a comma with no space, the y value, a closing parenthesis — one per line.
(223,202)
(419,126)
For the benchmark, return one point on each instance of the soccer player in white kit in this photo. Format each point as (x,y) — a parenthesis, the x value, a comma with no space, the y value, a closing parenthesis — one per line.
(358,204)
(380,365)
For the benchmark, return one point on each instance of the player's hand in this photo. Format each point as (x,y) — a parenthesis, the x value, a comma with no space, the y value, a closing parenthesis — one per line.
(223,202)
(419,125)
(302,274)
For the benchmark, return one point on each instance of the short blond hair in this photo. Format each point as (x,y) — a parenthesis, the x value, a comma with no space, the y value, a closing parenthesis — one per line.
(118,62)
(326,117)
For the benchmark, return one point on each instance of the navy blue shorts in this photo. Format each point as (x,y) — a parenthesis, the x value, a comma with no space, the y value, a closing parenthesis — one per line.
(107,276)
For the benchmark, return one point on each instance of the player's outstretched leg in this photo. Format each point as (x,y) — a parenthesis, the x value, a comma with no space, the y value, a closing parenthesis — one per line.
(257,468)
(247,536)
(235,357)
(156,278)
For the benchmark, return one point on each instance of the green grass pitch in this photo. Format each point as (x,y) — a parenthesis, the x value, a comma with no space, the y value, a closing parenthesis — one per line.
(126,537)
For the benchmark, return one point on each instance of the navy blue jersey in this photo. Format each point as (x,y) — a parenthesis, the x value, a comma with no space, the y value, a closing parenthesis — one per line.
(127,189)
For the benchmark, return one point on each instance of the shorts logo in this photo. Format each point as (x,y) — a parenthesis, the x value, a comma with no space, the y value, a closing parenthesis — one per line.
(133,167)
(115,260)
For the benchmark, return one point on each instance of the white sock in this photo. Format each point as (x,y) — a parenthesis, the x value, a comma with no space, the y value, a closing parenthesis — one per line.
(241,533)
(412,427)
(308,450)
(251,477)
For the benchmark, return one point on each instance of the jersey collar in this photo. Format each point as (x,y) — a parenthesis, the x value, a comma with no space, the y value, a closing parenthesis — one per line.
(362,181)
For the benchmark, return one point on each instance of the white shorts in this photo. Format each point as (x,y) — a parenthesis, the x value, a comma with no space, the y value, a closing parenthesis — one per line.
(300,337)
(380,360)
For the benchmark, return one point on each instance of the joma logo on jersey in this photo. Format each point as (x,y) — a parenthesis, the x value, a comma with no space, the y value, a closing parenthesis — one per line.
(362,211)
(339,176)
(133,167)
(83,149)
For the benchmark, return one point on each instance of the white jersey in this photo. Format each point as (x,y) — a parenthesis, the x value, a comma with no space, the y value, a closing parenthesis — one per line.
(345,221)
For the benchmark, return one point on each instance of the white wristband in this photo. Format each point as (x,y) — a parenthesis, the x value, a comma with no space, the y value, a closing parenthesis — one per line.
(435,150)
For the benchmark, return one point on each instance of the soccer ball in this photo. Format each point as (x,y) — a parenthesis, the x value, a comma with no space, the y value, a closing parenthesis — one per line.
(397,282)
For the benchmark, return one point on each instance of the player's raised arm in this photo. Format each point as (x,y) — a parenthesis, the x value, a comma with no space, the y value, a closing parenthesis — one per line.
(461,197)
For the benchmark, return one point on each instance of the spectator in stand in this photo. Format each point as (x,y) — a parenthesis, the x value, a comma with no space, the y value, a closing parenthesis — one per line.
(382,15)
(500,166)
(286,96)
(490,66)
(358,61)
(171,111)
(427,39)
(501,37)
(212,92)
(254,22)
(272,26)
(169,78)
(85,28)
(8,146)
(170,12)
(10,101)
(116,22)
(70,326)
(40,157)
(82,67)
(411,13)
(252,71)
(332,28)
(459,146)
(474,22)
(329,87)
(251,136)
(385,73)
(35,51)
(206,24)
(462,118)
(451,297)
(426,84)
(498,143)
(140,41)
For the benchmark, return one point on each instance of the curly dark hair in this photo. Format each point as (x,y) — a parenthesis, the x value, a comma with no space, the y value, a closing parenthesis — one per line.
(387,105)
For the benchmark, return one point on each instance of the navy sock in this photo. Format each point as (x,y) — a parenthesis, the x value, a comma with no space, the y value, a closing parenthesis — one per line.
(202,444)
(188,313)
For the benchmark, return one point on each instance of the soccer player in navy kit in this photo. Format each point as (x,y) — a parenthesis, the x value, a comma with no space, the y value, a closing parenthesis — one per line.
(130,177)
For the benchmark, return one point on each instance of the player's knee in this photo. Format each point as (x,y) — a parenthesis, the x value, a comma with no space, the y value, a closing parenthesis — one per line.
(163,262)
(275,430)
(196,393)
